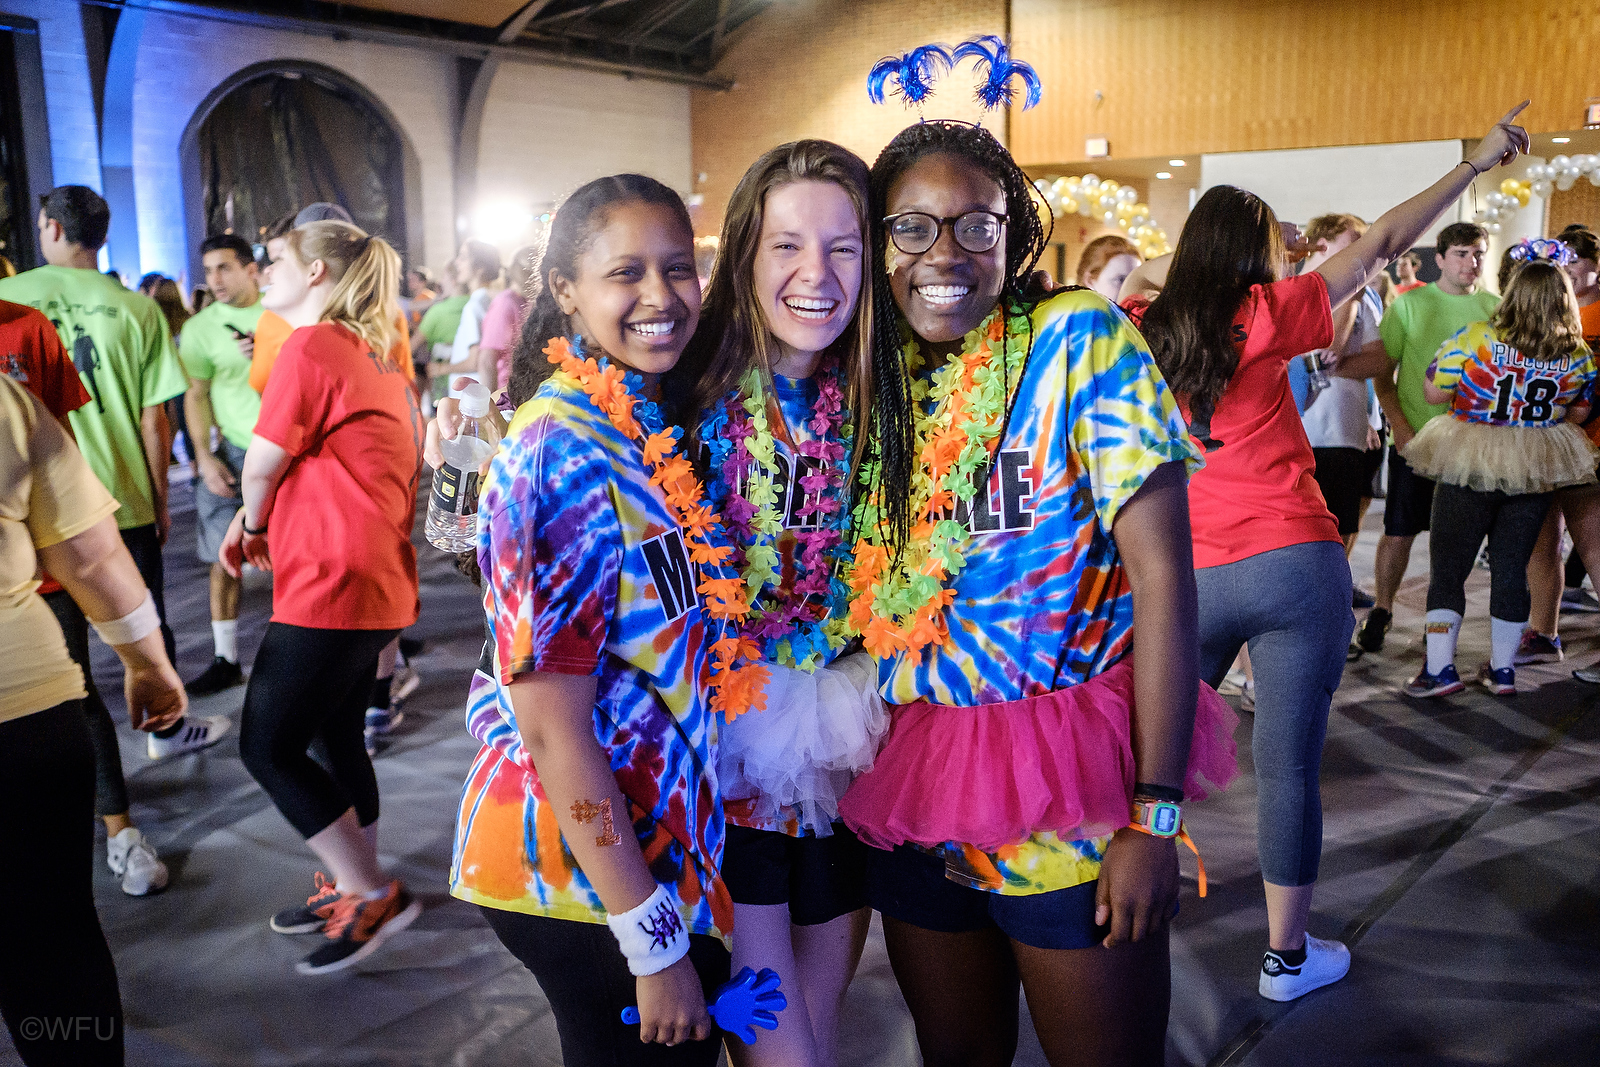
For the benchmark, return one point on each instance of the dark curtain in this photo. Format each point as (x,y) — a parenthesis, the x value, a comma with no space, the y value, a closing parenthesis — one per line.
(18,217)
(288,139)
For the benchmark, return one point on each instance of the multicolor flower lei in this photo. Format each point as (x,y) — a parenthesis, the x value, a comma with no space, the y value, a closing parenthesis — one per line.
(738,678)
(800,625)
(903,609)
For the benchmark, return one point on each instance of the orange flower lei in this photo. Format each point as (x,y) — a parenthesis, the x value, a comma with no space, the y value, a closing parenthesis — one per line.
(738,679)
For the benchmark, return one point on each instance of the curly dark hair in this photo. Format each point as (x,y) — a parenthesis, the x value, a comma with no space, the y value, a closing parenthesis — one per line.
(1026,238)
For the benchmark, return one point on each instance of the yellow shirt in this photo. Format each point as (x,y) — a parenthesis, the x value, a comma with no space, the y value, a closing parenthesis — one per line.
(47,495)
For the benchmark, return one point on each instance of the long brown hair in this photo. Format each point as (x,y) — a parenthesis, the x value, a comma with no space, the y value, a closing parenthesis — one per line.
(734,334)
(1538,315)
(1230,242)
(366,276)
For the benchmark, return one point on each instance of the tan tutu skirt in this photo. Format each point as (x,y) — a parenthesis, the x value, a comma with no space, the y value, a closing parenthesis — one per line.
(1511,459)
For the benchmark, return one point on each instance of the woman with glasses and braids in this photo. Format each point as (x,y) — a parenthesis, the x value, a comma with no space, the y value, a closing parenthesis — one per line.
(1269,563)
(1024,540)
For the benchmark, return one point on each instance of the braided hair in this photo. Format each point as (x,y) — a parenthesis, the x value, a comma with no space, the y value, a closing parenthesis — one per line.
(1026,237)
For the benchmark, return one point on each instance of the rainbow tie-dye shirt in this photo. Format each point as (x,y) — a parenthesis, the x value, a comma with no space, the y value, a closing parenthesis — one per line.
(585,572)
(1496,384)
(1043,602)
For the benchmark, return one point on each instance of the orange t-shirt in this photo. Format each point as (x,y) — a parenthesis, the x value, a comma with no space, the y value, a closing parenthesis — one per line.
(272,332)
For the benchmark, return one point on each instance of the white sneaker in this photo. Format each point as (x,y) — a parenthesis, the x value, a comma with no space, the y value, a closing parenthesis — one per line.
(1326,963)
(131,858)
(197,733)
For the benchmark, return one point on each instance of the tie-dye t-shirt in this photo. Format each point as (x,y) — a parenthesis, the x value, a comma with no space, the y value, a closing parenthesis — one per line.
(1496,384)
(586,572)
(795,399)
(1043,602)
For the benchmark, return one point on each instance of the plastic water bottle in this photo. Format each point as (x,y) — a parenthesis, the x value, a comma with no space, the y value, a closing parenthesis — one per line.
(452,522)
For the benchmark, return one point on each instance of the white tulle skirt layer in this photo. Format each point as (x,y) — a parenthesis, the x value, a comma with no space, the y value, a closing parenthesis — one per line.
(1511,459)
(798,755)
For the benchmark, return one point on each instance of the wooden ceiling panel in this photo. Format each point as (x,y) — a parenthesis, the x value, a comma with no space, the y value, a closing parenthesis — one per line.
(473,12)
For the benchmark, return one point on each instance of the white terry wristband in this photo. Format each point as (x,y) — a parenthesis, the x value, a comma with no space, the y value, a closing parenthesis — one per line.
(652,936)
(134,626)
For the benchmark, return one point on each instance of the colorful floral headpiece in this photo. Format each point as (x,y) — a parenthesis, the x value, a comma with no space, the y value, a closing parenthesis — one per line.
(1547,248)
(914,73)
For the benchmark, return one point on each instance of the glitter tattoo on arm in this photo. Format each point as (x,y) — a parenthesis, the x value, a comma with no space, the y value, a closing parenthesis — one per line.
(586,812)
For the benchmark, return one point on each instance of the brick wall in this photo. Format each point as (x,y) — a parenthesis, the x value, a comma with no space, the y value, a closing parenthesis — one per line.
(800,70)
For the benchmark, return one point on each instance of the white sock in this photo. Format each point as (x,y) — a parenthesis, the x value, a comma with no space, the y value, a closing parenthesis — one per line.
(1443,627)
(377,893)
(225,635)
(1504,637)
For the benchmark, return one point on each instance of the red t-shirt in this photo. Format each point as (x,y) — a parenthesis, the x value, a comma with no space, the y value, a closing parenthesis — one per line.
(340,526)
(1256,493)
(31,353)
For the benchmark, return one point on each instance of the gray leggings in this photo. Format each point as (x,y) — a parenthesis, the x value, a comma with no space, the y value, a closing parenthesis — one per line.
(1462,518)
(1292,607)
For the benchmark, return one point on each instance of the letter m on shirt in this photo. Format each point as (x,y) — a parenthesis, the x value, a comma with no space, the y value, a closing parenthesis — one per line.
(674,576)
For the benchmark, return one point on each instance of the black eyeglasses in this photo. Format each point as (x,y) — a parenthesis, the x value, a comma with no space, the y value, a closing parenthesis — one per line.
(914,232)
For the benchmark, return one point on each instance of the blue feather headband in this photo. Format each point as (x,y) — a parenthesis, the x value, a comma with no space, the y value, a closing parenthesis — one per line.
(913,73)
(995,59)
(1526,251)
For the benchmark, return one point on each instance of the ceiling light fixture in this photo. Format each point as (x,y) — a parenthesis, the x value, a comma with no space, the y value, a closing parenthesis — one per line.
(1176,163)
(1560,140)
(1162,174)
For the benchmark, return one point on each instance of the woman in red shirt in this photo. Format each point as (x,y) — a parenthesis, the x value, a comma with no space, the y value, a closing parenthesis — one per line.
(332,470)
(1269,563)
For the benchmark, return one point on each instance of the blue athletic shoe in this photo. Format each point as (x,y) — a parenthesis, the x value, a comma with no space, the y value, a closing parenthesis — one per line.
(1502,682)
(1447,681)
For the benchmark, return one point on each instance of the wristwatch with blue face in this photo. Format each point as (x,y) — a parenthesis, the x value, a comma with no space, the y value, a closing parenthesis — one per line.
(1158,818)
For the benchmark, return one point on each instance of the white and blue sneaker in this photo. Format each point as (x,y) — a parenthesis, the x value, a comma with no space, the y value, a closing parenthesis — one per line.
(1502,682)
(1447,681)
(1326,962)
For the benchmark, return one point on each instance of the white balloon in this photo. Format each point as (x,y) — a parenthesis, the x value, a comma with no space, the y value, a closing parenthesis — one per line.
(1566,181)
(1139,220)
(1491,214)
(1109,217)
(1091,179)
(1128,195)
(1541,188)
(1107,202)
(1085,208)
(1594,176)
(1043,185)
(1492,227)
(1561,162)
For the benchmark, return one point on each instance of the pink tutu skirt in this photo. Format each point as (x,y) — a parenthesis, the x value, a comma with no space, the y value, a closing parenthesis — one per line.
(994,774)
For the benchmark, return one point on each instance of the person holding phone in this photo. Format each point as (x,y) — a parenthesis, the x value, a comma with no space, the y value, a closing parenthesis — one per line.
(216,347)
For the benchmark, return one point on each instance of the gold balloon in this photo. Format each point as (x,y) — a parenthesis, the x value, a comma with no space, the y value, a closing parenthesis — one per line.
(1059,187)
(1509,187)
(1142,209)
(1523,196)
(1109,186)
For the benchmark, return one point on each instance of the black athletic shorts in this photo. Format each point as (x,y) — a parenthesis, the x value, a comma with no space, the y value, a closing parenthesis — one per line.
(910,885)
(820,878)
(1409,505)
(1345,477)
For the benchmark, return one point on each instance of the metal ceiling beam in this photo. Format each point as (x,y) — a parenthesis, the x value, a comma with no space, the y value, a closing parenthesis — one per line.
(650,21)
(348,31)
(577,12)
(720,27)
(512,28)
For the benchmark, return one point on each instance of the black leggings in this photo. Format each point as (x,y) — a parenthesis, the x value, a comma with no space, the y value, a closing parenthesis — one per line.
(1462,518)
(58,986)
(311,686)
(585,978)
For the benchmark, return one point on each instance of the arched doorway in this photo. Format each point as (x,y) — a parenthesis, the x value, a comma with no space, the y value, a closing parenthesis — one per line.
(277,139)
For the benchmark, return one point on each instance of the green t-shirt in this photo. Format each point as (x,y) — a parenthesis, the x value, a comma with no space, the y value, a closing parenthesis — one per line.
(1413,329)
(210,352)
(439,322)
(120,345)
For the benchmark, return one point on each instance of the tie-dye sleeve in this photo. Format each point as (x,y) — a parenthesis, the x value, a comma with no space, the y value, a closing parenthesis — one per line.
(1122,420)
(551,551)
(1452,357)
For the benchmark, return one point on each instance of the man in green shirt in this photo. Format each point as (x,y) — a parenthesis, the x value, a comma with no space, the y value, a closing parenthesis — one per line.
(437,331)
(216,346)
(1410,335)
(122,350)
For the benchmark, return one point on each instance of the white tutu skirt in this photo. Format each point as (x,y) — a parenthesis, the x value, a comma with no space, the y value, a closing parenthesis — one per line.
(798,755)
(1511,459)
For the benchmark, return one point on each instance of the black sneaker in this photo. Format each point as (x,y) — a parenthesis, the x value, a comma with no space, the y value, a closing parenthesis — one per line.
(1370,637)
(357,926)
(310,917)
(222,674)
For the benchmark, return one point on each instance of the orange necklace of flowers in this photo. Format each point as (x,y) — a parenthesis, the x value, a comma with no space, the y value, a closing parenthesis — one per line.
(738,679)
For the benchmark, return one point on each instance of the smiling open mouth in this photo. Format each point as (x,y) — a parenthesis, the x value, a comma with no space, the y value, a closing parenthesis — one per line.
(654,331)
(812,309)
(942,295)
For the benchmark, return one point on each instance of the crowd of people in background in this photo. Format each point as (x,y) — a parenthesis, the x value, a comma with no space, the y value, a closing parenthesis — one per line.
(758,534)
